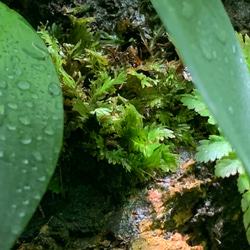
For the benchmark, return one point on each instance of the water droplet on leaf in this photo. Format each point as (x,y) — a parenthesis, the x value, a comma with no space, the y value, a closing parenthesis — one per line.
(12,106)
(3,84)
(25,161)
(54,89)
(24,85)
(21,214)
(234,49)
(29,104)
(27,202)
(37,155)
(231,111)
(48,130)
(206,50)
(11,127)
(42,179)
(38,67)
(26,139)
(10,77)
(25,120)
(34,96)
(187,9)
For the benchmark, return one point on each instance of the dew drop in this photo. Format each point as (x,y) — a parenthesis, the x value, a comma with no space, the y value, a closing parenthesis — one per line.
(54,117)
(21,214)
(10,77)
(24,85)
(38,67)
(37,197)
(42,179)
(27,202)
(39,138)
(34,96)
(24,171)
(25,161)
(15,231)
(234,49)
(17,71)
(35,56)
(26,139)
(48,131)
(37,155)
(29,104)
(19,190)
(34,168)
(1,154)
(16,68)
(54,89)
(187,9)
(25,120)
(14,206)
(27,188)
(214,54)
(3,84)
(205,50)
(12,105)
(230,109)
(11,127)
(2,137)
(59,105)
(220,33)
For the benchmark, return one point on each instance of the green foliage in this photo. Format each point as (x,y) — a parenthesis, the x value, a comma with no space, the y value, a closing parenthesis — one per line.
(218,149)
(194,101)
(129,116)
(216,64)
(31,123)
(214,148)
(228,165)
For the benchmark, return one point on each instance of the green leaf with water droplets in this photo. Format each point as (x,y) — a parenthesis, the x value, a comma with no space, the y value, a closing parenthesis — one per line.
(206,42)
(31,123)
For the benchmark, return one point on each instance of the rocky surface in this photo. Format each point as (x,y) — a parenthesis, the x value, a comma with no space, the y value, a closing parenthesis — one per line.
(187,210)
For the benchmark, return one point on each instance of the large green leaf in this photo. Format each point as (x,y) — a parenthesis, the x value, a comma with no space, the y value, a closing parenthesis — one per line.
(205,39)
(31,123)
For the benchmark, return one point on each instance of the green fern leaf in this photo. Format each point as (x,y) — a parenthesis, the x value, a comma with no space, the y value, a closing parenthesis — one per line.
(214,148)
(194,101)
(246,218)
(243,183)
(228,165)
(245,202)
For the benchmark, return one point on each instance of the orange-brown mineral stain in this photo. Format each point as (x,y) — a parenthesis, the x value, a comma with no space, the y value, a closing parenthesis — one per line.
(153,240)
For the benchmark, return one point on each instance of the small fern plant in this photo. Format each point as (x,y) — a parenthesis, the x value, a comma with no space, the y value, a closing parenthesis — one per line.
(217,149)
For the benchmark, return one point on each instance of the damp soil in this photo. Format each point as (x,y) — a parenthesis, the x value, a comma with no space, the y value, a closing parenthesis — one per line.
(100,206)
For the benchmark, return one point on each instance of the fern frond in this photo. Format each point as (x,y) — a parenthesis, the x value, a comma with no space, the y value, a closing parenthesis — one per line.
(214,148)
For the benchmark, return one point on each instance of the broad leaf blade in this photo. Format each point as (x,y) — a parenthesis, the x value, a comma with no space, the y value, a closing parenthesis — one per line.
(31,123)
(205,39)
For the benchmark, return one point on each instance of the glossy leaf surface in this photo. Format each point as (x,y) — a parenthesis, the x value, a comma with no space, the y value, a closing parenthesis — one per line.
(31,123)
